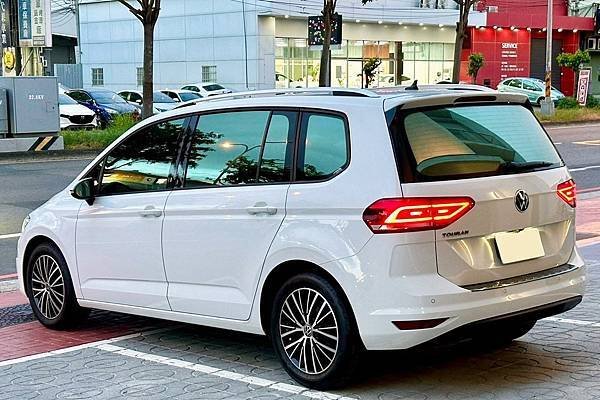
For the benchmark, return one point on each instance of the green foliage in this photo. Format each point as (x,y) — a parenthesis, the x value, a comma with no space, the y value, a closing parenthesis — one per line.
(567,103)
(369,68)
(592,102)
(97,139)
(476,62)
(573,61)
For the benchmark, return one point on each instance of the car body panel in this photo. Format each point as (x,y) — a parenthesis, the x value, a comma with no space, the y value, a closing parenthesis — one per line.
(385,277)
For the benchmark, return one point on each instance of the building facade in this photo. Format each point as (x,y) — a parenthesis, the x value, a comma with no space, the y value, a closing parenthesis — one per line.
(259,44)
(513,41)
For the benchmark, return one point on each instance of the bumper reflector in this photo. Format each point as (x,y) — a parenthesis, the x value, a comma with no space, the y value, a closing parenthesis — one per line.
(421,324)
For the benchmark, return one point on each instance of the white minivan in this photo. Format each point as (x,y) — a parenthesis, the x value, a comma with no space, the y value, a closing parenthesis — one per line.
(332,220)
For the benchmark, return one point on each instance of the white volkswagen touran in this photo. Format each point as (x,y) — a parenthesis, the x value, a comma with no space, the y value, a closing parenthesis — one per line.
(332,221)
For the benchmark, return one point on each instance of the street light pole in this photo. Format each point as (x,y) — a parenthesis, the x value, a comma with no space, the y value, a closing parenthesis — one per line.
(548,104)
(78,22)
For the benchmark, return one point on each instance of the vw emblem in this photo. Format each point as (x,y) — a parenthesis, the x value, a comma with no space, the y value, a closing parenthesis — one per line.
(521,201)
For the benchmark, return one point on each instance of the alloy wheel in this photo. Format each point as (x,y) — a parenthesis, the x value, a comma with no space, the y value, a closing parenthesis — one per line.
(309,331)
(48,287)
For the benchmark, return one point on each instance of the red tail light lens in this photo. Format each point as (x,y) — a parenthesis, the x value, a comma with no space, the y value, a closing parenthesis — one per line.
(415,213)
(568,192)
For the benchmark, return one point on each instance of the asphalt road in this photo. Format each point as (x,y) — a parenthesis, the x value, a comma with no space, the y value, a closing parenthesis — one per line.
(26,186)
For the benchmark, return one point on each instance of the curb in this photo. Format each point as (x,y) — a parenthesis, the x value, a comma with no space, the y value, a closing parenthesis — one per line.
(51,155)
(550,124)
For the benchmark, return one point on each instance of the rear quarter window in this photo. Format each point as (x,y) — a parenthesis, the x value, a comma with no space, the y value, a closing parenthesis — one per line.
(470,141)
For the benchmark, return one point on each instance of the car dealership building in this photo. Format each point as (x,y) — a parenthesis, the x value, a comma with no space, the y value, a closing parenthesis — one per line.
(259,44)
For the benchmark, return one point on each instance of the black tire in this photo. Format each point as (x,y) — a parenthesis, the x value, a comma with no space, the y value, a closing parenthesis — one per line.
(322,369)
(53,313)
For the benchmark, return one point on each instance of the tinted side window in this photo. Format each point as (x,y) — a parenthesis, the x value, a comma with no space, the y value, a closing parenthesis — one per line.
(323,147)
(225,149)
(276,160)
(515,83)
(143,161)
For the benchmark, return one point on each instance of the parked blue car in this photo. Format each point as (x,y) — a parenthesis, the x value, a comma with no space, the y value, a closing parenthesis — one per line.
(105,103)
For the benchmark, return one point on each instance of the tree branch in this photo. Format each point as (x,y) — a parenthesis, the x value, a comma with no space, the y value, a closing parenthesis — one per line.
(138,13)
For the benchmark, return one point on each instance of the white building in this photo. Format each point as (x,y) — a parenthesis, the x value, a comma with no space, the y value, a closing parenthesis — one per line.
(249,43)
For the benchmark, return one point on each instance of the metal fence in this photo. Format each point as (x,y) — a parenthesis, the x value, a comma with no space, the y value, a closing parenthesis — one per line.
(69,75)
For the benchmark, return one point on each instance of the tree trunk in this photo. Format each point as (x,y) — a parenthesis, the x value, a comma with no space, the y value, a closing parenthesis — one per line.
(148,104)
(324,73)
(458,44)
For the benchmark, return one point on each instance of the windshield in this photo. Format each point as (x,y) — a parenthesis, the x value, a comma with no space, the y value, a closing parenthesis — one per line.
(106,97)
(63,99)
(189,96)
(210,88)
(542,84)
(160,97)
(462,142)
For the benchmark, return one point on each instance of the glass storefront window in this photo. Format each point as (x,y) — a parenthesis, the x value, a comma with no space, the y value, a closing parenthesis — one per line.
(421,51)
(298,66)
(355,49)
(341,52)
(448,51)
(436,51)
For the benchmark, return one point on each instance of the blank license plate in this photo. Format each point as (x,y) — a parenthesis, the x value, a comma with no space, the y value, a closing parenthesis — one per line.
(519,246)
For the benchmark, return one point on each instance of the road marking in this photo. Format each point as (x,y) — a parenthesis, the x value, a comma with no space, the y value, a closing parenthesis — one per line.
(589,143)
(584,168)
(9,276)
(82,346)
(573,126)
(10,236)
(6,162)
(221,373)
(557,143)
(572,321)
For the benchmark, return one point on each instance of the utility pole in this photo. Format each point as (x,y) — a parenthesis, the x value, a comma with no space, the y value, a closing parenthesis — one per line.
(548,104)
(78,52)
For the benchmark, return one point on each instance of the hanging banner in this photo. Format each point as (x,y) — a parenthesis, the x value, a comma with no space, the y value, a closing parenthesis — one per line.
(5,31)
(25,23)
(35,23)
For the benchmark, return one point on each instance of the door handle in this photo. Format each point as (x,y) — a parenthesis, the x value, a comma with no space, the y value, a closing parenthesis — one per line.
(261,208)
(151,211)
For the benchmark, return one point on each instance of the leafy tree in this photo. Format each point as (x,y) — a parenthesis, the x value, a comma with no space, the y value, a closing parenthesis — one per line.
(476,62)
(369,69)
(147,12)
(328,14)
(574,61)
(464,7)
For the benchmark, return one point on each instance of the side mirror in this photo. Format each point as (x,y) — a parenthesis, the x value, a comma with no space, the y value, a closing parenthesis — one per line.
(84,190)
(176,100)
(139,101)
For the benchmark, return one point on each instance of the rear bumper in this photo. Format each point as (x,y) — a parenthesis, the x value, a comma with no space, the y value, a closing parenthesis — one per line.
(464,309)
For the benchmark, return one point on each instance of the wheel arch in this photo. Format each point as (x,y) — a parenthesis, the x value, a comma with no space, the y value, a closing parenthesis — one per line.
(33,243)
(285,271)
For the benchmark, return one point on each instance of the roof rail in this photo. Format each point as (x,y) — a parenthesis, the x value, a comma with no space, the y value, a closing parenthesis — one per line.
(321,91)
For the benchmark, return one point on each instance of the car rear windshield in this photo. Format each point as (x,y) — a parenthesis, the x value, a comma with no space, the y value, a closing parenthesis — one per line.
(211,88)
(470,141)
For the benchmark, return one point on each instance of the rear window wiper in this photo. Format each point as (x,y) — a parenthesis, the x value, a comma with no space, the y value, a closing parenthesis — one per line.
(512,166)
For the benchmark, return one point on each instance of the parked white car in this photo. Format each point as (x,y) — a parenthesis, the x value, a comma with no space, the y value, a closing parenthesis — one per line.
(330,220)
(207,89)
(161,101)
(182,96)
(75,116)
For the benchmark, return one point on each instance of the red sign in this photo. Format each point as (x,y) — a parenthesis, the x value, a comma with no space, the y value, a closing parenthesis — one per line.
(583,86)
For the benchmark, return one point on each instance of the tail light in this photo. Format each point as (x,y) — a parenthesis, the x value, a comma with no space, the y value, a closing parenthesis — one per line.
(568,192)
(415,213)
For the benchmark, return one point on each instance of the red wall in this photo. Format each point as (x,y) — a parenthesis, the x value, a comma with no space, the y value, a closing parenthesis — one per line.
(500,62)
(508,61)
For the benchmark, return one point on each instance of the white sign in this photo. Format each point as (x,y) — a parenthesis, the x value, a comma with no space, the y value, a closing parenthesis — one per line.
(583,86)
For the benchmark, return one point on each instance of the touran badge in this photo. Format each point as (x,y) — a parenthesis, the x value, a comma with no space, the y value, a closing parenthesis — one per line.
(521,201)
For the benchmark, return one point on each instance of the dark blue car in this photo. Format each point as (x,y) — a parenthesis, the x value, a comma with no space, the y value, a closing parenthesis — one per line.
(104,103)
